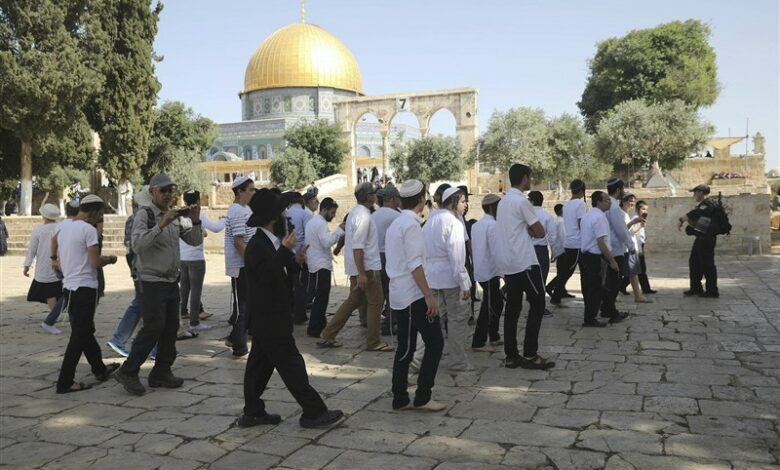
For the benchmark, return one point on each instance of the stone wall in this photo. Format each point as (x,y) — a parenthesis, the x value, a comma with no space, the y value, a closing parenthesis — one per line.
(700,170)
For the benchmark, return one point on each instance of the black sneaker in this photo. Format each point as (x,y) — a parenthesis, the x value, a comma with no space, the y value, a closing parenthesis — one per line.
(327,418)
(710,295)
(246,421)
(512,362)
(555,301)
(618,317)
(536,363)
(692,292)
(650,291)
(594,323)
(131,383)
(165,380)
(566,295)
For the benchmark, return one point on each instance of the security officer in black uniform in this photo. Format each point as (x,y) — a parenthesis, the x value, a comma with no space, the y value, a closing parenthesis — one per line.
(702,259)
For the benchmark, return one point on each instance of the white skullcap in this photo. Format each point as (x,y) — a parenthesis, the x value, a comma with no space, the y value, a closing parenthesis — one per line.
(449,192)
(240,180)
(410,188)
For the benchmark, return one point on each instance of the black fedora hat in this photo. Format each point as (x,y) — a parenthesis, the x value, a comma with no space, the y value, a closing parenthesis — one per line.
(266,205)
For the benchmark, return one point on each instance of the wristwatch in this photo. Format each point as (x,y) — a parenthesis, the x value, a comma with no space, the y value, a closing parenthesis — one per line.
(53,258)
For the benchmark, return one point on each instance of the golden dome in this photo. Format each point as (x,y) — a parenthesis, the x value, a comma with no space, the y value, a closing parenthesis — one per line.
(305,55)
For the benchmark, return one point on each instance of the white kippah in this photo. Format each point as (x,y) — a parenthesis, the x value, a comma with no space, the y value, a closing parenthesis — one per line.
(240,180)
(410,188)
(449,192)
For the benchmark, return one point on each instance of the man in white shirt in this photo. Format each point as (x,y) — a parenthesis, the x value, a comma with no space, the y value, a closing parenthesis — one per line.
(516,223)
(595,249)
(413,303)
(79,260)
(237,235)
(364,268)
(311,202)
(573,212)
(486,272)
(383,217)
(319,260)
(621,242)
(47,284)
(541,244)
(445,270)
(299,275)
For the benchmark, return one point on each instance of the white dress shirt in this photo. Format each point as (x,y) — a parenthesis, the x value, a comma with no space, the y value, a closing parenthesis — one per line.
(383,217)
(560,237)
(515,215)
(188,252)
(594,226)
(573,211)
(299,218)
(549,228)
(404,253)
(39,249)
(320,241)
(445,252)
(483,249)
(621,240)
(361,234)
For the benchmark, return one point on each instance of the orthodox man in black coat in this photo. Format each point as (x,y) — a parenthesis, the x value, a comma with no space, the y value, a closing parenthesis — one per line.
(267,259)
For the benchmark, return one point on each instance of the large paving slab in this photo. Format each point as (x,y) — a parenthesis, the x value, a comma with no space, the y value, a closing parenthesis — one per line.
(685,383)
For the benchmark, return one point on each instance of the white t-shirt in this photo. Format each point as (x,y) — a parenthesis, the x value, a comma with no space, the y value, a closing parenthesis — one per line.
(573,211)
(320,241)
(594,226)
(188,252)
(445,252)
(299,217)
(73,242)
(235,226)
(515,214)
(40,250)
(383,217)
(618,232)
(361,233)
(483,249)
(560,237)
(549,228)
(404,253)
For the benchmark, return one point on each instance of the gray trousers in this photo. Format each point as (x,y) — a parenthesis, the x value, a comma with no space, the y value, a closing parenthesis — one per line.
(192,274)
(454,314)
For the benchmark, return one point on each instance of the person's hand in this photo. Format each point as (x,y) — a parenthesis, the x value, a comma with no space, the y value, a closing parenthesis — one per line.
(194,212)
(552,259)
(433,306)
(168,217)
(26,271)
(113,259)
(362,281)
(336,251)
(466,295)
(55,265)
(289,240)
(632,251)
(300,257)
(343,225)
(613,265)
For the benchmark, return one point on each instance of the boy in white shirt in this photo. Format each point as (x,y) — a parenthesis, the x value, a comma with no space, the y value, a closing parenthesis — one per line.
(412,302)
(486,272)
(595,249)
(573,212)
(46,286)
(541,244)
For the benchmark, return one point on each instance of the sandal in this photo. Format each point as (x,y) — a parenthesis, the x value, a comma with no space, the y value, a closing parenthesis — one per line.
(537,362)
(186,334)
(110,369)
(76,387)
(384,347)
(328,343)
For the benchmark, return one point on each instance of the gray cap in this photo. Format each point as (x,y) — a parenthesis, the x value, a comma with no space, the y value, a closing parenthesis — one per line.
(364,189)
(160,181)
(702,187)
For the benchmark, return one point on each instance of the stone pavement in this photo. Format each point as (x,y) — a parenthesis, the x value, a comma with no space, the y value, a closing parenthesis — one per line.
(684,384)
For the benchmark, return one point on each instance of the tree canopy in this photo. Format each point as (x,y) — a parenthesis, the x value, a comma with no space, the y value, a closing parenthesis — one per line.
(672,61)
(429,159)
(323,142)
(641,133)
(571,147)
(293,169)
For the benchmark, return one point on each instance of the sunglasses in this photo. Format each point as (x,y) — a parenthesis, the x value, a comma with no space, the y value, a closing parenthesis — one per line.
(168,189)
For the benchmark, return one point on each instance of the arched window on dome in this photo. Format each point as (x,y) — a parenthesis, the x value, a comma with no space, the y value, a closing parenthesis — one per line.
(364,151)
(288,104)
(262,151)
(247,152)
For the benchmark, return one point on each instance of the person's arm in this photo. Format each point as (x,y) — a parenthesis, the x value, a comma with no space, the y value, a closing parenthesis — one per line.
(32,250)
(602,241)
(238,242)
(55,261)
(617,221)
(210,225)
(192,235)
(238,226)
(143,236)
(327,238)
(413,244)
(456,252)
(360,228)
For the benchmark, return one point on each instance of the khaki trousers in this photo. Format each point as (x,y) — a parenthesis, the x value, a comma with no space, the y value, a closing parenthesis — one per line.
(373,296)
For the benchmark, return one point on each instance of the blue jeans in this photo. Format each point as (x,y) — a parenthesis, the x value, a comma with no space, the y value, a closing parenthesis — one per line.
(129,321)
(52,317)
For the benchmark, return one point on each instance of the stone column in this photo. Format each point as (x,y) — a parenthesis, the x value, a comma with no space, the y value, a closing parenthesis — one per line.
(467,136)
(349,159)
(384,130)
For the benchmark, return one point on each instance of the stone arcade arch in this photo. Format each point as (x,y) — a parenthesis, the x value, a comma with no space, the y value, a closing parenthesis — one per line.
(461,102)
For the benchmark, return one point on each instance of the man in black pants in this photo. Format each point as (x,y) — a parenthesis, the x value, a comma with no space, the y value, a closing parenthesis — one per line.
(157,264)
(595,252)
(486,272)
(516,223)
(270,318)
(620,243)
(702,260)
(573,212)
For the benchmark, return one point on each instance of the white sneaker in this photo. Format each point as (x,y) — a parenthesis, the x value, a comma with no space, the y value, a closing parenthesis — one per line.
(50,329)
(200,326)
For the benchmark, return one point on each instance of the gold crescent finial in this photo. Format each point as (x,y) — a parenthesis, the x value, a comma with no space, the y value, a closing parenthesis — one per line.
(303,11)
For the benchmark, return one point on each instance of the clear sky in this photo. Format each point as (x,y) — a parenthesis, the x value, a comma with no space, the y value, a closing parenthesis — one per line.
(516,52)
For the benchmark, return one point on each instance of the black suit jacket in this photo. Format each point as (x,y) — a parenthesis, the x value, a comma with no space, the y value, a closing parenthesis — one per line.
(269,305)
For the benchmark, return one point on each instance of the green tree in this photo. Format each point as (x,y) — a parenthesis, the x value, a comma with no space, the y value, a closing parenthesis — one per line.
(518,135)
(46,76)
(658,135)
(293,169)
(323,141)
(123,112)
(671,61)
(429,159)
(179,139)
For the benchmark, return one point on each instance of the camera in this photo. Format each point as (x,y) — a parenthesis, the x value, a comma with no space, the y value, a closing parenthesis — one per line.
(183,212)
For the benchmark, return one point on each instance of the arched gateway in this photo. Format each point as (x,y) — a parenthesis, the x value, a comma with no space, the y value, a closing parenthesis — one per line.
(461,102)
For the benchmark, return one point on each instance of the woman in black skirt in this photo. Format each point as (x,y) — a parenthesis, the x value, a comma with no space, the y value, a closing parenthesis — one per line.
(46,286)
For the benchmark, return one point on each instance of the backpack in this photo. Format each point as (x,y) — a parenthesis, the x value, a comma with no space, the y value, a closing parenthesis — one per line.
(150,222)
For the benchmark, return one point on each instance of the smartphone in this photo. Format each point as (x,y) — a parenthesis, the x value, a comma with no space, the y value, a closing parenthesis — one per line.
(183,212)
(290,225)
